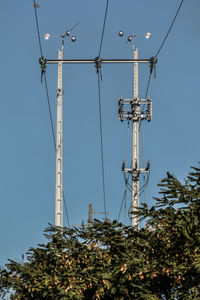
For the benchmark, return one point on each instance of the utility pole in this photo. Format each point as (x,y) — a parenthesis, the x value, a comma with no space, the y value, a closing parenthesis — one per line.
(135,143)
(92,212)
(59,147)
(132,114)
(90,215)
(130,110)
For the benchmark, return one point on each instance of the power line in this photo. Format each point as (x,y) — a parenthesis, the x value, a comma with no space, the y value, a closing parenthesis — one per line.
(122,202)
(162,44)
(48,99)
(65,206)
(174,19)
(45,79)
(50,112)
(126,181)
(37,25)
(103,29)
(148,84)
(101,139)
(142,141)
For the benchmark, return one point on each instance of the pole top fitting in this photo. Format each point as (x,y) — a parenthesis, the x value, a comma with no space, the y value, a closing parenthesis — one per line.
(152,63)
(98,63)
(43,64)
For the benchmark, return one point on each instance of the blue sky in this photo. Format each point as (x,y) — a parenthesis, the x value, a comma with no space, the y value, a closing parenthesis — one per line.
(171,140)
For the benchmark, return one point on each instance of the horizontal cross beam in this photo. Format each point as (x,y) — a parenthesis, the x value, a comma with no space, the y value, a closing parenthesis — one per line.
(93,61)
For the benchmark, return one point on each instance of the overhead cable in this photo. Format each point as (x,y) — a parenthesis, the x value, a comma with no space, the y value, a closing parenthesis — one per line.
(142,141)
(122,202)
(37,25)
(148,84)
(47,94)
(50,113)
(101,140)
(45,79)
(103,29)
(174,19)
(124,198)
(66,211)
(162,44)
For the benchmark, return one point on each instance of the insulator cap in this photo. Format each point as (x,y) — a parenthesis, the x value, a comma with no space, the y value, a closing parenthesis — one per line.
(130,37)
(73,39)
(67,33)
(47,36)
(148,35)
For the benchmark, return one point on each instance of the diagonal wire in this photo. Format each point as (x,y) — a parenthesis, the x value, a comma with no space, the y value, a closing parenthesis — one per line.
(163,42)
(101,138)
(124,198)
(50,112)
(74,26)
(148,84)
(103,29)
(142,140)
(38,31)
(45,79)
(66,211)
(48,99)
(174,19)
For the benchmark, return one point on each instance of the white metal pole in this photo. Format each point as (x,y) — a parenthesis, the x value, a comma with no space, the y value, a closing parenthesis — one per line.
(59,148)
(135,146)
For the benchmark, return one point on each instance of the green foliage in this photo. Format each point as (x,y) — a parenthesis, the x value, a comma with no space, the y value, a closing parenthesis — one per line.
(111,261)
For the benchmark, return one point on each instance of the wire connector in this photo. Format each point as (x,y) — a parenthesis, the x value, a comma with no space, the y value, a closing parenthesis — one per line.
(98,63)
(152,64)
(43,64)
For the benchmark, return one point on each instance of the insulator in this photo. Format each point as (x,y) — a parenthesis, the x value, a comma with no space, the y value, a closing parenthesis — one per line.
(149,107)
(130,37)
(73,39)
(47,36)
(67,33)
(148,166)
(147,35)
(121,33)
(123,166)
(120,106)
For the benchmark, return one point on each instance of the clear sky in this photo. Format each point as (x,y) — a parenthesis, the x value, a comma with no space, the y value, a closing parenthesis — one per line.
(171,140)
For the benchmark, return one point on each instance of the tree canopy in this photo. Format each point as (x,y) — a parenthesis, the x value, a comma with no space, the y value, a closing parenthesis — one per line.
(109,260)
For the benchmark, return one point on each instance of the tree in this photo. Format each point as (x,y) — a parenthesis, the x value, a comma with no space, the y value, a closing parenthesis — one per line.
(111,261)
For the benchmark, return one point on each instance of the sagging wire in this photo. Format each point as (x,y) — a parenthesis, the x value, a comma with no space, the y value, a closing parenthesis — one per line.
(170,28)
(152,66)
(103,29)
(43,73)
(101,141)
(124,198)
(66,211)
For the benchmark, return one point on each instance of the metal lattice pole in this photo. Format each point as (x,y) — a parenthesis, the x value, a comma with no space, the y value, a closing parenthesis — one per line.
(135,145)
(59,148)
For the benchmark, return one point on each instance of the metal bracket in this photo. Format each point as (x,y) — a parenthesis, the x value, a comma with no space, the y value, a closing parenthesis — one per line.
(98,62)
(135,172)
(43,64)
(60,92)
(130,109)
(152,64)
